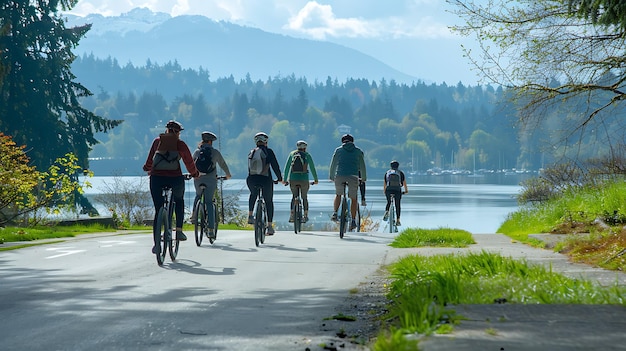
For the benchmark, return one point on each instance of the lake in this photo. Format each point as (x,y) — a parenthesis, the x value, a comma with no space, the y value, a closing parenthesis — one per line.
(478,205)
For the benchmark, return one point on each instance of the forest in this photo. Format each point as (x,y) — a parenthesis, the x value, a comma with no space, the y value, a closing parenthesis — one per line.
(421,125)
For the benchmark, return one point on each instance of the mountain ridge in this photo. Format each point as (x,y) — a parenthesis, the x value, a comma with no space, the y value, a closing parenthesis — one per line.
(223,48)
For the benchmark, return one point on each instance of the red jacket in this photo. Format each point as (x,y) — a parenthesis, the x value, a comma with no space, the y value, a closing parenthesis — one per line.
(183,151)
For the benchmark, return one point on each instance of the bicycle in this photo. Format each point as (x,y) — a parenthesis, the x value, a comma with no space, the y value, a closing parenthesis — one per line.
(345,217)
(163,229)
(393,228)
(260,216)
(202,225)
(298,210)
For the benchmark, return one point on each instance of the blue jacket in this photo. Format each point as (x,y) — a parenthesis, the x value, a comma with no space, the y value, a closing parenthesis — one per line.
(348,160)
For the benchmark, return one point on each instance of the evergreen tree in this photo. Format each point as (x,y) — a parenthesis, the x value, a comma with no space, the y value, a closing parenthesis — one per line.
(38,96)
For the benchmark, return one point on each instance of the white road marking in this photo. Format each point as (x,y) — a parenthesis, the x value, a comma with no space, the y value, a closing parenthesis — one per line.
(64,251)
(110,243)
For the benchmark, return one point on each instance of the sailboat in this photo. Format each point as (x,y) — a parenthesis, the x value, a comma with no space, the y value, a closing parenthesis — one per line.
(474,174)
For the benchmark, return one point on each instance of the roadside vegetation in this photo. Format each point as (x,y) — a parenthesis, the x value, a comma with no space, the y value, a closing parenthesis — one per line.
(424,290)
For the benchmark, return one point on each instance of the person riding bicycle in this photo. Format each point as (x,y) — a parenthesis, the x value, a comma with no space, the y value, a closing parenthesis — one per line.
(347,165)
(206,157)
(163,167)
(394,181)
(260,173)
(296,173)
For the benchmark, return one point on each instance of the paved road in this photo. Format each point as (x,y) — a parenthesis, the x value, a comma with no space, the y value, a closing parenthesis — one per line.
(107,292)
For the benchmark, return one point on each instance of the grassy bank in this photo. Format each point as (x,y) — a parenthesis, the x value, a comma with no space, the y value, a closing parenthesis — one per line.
(424,290)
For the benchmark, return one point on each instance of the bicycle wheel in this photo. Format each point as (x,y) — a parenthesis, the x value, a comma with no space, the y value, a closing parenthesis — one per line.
(216,221)
(198,228)
(297,215)
(160,234)
(263,222)
(173,242)
(343,217)
(392,217)
(258,223)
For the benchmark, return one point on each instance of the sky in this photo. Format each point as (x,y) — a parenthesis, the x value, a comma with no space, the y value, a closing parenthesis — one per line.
(411,36)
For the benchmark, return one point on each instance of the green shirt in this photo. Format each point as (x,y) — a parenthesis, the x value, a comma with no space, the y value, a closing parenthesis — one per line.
(288,176)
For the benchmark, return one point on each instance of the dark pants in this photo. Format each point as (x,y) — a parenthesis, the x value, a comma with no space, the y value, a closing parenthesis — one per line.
(398,196)
(178,192)
(268,193)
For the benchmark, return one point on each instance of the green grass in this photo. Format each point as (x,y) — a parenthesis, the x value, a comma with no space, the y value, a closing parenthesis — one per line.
(442,237)
(423,288)
(11,234)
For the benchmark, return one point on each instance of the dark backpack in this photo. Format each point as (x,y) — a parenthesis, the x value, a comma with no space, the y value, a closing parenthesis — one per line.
(298,163)
(257,161)
(204,162)
(393,179)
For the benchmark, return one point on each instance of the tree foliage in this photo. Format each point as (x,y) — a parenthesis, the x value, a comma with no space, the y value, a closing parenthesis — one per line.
(23,189)
(562,60)
(39,99)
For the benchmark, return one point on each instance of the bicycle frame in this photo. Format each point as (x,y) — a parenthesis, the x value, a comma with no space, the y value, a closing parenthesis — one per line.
(260,217)
(392,214)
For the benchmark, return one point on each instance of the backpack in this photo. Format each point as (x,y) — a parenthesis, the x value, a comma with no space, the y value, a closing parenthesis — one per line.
(298,163)
(166,157)
(393,179)
(257,163)
(204,162)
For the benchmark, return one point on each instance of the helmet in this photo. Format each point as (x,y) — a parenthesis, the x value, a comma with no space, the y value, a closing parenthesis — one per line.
(260,137)
(347,138)
(301,144)
(173,125)
(208,136)
(395,164)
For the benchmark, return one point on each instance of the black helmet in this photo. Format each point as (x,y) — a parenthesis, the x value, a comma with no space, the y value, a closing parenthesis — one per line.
(347,138)
(395,164)
(175,126)
(208,136)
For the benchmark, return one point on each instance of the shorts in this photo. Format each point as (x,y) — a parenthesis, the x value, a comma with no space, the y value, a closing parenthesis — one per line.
(353,185)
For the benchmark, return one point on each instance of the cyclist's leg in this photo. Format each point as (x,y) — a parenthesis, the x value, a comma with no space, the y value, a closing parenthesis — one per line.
(294,193)
(304,192)
(398,198)
(178,194)
(268,196)
(353,185)
(209,193)
(251,182)
(338,192)
(196,184)
(388,196)
(156,185)
(362,190)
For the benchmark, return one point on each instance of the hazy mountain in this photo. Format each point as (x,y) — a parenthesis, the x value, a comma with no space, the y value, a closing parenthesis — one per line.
(224,48)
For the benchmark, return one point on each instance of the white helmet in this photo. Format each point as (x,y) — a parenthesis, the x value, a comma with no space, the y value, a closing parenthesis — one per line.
(260,137)
(301,144)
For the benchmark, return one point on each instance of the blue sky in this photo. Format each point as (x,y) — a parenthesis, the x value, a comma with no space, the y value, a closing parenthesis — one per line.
(411,36)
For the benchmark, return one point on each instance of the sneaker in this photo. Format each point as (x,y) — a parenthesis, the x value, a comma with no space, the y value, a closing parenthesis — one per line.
(386,216)
(334,217)
(270,230)
(180,236)
(398,222)
(250,219)
(291,218)
(363,203)
(210,234)
(156,250)
(305,219)
(353,225)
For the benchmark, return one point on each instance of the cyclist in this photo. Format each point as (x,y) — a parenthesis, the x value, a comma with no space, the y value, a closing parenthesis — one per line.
(393,183)
(163,167)
(297,174)
(209,179)
(262,176)
(347,165)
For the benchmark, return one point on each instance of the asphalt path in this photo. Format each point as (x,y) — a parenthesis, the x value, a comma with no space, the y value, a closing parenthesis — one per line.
(106,292)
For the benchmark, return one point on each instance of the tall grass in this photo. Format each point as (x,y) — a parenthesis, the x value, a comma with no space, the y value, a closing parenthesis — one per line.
(442,237)
(424,289)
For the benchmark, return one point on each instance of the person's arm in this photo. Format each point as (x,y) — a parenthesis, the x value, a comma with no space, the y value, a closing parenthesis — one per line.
(185,154)
(385,183)
(312,167)
(333,166)
(406,187)
(287,167)
(219,159)
(275,166)
(362,167)
(148,165)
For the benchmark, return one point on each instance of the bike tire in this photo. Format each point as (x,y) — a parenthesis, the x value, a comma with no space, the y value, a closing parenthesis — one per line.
(297,216)
(198,228)
(173,243)
(263,222)
(258,222)
(343,218)
(160,234)
(392,218)
(216,221)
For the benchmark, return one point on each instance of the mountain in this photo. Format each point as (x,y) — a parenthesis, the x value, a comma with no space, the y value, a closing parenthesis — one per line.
(223,48)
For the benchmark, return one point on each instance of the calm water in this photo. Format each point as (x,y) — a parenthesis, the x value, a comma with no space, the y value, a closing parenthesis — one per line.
(478,205)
